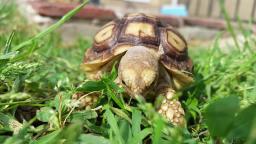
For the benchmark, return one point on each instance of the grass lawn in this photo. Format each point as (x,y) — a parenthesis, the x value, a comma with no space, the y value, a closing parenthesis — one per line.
(39,75)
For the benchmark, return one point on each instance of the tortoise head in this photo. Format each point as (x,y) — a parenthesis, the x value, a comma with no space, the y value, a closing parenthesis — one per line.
(138,70)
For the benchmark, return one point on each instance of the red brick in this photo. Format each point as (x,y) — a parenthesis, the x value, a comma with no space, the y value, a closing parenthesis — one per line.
(57,10)
(193,21)
(205,22)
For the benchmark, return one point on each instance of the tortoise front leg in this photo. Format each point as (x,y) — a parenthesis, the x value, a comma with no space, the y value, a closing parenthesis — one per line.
(86,100)
(171,108)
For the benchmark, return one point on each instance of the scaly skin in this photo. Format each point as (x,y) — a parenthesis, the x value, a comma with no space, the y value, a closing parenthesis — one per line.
(171,109)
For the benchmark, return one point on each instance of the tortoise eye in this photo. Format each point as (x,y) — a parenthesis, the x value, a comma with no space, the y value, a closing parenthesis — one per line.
(123,82)
(176,41)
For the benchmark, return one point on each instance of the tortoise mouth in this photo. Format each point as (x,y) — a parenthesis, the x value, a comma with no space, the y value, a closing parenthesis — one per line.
(140,92)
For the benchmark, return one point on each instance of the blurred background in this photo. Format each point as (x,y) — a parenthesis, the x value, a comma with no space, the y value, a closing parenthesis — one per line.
(198,20)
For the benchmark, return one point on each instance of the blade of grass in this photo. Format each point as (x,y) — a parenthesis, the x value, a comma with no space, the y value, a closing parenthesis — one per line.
(114,97)
(23,102)
(48,138)
(141,136)
(93,139)
(121,114)
(113,125)
(53,27)
(158,131)
(229,25)
(136,121)
(8,55)
(8,43)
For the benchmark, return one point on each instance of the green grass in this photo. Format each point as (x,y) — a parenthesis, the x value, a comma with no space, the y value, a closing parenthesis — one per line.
(39,75)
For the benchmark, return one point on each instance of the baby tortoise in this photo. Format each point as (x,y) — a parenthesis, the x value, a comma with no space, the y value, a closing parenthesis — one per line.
(151,58)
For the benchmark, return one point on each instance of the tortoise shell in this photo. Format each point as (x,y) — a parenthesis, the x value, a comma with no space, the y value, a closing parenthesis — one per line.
(116,37)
